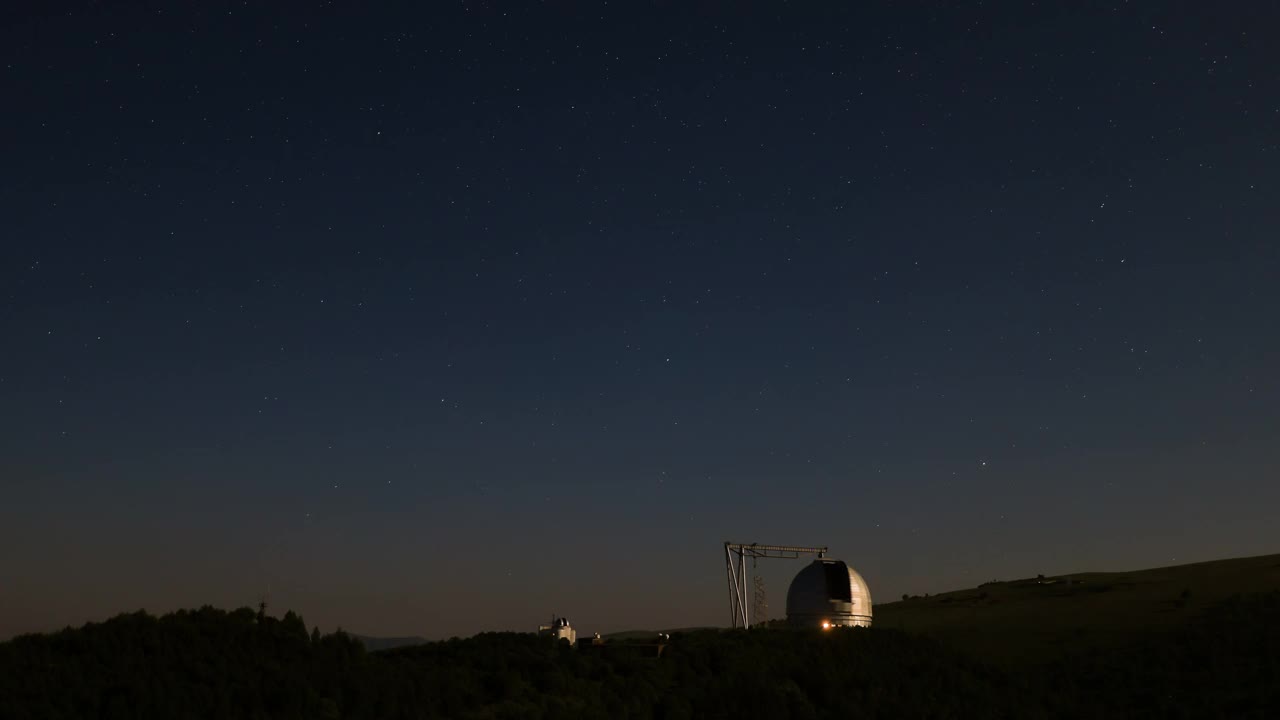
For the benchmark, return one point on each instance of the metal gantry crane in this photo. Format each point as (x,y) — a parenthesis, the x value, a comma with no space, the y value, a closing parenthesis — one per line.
(735,565)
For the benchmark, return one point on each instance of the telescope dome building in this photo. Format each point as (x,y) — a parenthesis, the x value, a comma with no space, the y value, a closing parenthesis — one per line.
(827,594)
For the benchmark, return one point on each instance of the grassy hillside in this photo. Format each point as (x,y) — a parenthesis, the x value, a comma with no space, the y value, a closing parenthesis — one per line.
(1042,618)
(1223,662)
(235,665)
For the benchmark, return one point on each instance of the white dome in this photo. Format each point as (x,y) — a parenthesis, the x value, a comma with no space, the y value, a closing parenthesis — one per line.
(828,593)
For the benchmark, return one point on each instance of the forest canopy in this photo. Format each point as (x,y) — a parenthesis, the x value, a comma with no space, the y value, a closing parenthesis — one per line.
(210,663)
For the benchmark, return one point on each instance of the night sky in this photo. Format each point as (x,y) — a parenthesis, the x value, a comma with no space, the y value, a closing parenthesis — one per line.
(444,318)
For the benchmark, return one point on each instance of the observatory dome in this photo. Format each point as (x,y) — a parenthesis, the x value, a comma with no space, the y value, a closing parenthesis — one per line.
(828,593)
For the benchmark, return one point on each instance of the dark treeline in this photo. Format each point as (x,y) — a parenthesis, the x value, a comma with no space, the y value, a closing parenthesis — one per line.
(214,664)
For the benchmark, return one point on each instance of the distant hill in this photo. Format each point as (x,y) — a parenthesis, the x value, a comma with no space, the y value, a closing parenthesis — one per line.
(1176,660)
(1042,617)
(374,644)
(648,634)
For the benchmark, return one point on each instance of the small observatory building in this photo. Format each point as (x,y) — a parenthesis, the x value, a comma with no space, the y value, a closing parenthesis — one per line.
(560,629)
(827,594)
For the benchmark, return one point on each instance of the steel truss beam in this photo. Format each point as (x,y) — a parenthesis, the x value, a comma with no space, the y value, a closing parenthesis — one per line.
(735,566)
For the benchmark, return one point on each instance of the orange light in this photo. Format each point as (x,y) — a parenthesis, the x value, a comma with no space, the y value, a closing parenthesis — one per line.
(826,625)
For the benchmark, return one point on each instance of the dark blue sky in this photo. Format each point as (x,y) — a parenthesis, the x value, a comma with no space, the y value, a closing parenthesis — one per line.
(437,319)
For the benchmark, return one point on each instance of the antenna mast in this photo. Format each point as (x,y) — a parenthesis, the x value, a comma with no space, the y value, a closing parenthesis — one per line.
(759,603)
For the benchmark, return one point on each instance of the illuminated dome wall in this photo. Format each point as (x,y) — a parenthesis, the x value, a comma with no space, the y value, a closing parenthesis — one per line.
(828,593)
